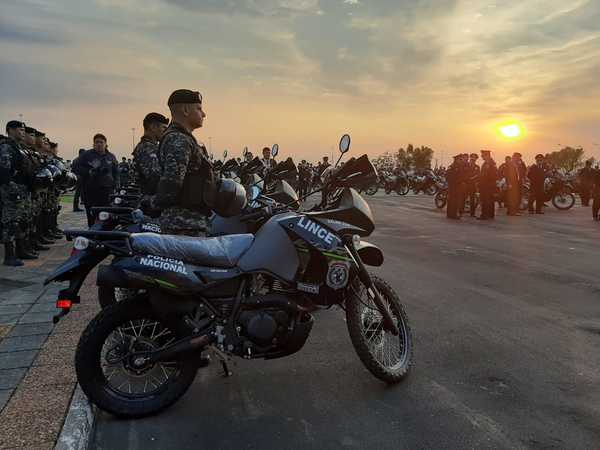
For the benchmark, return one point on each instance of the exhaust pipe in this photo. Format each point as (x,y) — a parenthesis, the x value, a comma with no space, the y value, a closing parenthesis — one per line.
(172,351)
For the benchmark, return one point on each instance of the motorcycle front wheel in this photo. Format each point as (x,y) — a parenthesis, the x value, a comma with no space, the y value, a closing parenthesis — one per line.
(440,199)
(563,200)
(107,368)
(386,356)
(402,189)
(372,190)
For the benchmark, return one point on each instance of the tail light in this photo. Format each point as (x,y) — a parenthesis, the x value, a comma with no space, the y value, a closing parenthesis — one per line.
(64,304)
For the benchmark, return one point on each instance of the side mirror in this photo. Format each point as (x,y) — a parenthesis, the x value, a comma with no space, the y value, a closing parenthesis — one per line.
(224,154)
(345,143)
(254,193)
(274,150)
(245,151)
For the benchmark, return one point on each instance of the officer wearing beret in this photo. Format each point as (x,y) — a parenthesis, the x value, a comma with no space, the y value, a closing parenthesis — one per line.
(187,184)
(145,155)
(15,197)
(454,176)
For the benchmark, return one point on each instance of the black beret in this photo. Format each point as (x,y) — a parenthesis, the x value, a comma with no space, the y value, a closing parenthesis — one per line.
(517,154)
(39,134)
(15,124)
(539,155)
(100,136)
(53,145)
(184,96)
(154,117)
(486,152)
(30,130)
(474,155)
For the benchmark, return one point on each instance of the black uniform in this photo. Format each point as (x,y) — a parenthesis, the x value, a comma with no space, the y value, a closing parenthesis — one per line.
(537,175)
(596,193)
(100,173)
(454,176)
(472,172)
(487,187)
(586,180)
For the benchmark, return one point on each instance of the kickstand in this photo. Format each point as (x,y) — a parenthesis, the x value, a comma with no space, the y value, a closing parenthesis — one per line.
(226,372)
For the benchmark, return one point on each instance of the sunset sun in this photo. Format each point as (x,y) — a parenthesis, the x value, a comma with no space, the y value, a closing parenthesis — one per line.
(511,131)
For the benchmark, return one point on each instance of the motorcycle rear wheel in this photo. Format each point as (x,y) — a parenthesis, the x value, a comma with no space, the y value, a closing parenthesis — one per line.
(139,328)
(376,348)
(372,190)
(402,190)
(440,199)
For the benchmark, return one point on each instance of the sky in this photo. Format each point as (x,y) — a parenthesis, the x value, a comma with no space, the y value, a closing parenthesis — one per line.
(300,73)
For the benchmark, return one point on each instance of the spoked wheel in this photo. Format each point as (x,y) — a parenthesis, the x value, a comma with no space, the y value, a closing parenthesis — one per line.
(387,357)
(432,189)
(402,189)
(372,190)
(112,371)
(563,200)
(440,199)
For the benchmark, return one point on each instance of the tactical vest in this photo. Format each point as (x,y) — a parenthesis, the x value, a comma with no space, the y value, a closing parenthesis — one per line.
(199,185)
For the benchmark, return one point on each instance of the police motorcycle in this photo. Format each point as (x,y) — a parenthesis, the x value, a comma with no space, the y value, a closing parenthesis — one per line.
(247,296)
(396,183)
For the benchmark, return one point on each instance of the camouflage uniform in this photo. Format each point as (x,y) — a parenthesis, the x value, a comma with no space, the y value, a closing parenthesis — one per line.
(185,181)
(146,165)
(14,195)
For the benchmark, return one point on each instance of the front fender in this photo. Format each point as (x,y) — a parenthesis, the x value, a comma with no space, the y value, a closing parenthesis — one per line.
(370,254)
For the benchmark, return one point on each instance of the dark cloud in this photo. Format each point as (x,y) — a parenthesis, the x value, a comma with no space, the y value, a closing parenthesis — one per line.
(253,8)
(35,84)
(13,32)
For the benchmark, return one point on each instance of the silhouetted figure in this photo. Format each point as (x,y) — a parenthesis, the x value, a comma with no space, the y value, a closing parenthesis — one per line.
(537,175)
(586,182)
(513,191)
(454,179)
(487,186)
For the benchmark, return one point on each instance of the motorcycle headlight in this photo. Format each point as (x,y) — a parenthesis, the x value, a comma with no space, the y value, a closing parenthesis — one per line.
(103,216)
(118,200)
(81,243)
(122,192)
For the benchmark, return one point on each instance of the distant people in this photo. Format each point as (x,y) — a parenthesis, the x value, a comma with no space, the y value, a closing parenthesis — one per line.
(78,195)
(323,165)
(487,186)
(472,172)
(267,161)
(124,169)
(536,175)
(454,178)
(596,194)
(586,182)
(304,175)
(100,172)
(522,171)
(513,187)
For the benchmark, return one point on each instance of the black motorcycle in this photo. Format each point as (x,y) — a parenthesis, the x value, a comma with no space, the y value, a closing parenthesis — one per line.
(248,296)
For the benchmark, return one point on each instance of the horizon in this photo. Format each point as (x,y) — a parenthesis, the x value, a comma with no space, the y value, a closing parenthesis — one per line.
(447,74)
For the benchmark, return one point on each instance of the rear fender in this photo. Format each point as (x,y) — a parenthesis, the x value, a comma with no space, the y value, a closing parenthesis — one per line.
(78,265)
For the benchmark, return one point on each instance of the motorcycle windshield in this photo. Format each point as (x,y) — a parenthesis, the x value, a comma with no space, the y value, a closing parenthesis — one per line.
(357,172)
(285,169)
(352,209)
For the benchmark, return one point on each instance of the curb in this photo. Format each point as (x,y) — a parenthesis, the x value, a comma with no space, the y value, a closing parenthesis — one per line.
(79,424)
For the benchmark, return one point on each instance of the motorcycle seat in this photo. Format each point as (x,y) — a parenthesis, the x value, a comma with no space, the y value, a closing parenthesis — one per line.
(222,251)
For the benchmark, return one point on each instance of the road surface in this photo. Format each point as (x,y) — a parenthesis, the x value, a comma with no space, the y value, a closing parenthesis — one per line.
(506,316)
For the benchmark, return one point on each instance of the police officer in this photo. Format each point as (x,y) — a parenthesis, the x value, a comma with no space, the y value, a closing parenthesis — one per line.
(537,175)
(124,172)
(472,172)
(487,186)
(513,182)
(267,161)
(14,195)
(586,180)
(454,176)
(187,186)
(78,188)
(145,155)
(100,172)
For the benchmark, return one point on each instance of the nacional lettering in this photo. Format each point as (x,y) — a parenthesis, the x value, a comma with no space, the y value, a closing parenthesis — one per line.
(316,229)
(152,227)
(168,264)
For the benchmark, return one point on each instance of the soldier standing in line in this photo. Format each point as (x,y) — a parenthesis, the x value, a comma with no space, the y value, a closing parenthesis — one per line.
(59,163)
(596,193)
(522,170)
(78,189)
(187,184)
(145,155)
(454,176)
(487,186)
(13,194)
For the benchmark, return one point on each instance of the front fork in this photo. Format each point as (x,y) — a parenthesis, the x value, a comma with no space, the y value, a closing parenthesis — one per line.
(365,278)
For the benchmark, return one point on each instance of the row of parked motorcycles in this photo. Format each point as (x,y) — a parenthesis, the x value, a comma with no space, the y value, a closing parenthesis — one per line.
(558,189)
(249,291)
(402,183)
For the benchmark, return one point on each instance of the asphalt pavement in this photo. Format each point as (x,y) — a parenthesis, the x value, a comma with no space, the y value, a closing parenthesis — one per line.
(506,316)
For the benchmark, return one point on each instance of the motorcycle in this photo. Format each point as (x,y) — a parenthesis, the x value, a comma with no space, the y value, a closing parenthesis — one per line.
(247,296)
(397,183)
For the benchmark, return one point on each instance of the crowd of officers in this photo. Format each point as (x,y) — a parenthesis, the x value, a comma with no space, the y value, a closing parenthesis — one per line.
(31,178)
(465,178)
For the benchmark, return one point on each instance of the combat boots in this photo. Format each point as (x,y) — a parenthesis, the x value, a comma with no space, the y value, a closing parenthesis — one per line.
(9,256)
(22,252)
